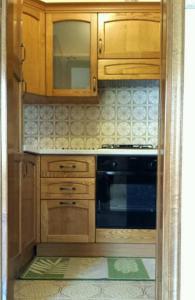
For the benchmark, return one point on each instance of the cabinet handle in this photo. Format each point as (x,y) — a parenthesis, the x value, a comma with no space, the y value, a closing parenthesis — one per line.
(100,46)
(94,84)
(67,189)
(24,87)
(67,203)
(23,53)
(25,169)
(18,79)
(64,167)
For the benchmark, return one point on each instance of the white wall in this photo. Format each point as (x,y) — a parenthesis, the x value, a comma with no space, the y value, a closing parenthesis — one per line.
(188,177)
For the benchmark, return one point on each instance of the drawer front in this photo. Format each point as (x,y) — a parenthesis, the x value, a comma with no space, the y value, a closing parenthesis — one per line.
(67,166)
(128,69)
(67,221)
(68,188)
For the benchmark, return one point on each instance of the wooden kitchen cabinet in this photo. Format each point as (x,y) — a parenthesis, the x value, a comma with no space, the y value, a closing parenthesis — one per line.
(22,210)
(33,36)
(67,198)
(14,175)
(129,44)
(67,221)
(28,202)
(71,56)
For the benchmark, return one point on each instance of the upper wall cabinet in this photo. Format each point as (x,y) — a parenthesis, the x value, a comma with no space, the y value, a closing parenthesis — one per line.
(129,45)
(33,33)
(71,56)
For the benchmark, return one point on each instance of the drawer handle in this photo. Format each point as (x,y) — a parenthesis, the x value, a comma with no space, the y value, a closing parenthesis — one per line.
(67,203)
(67,189)
(64,167)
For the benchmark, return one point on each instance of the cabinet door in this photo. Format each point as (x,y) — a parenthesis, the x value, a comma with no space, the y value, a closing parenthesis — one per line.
(33,31)
(71,58)
(15,44)
(67,221)
(28,204)
(129,35)
(14,183)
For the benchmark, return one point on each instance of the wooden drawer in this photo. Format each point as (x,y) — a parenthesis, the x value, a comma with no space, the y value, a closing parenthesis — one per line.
(128,69)
(68,188)
(67,166)
(67,221)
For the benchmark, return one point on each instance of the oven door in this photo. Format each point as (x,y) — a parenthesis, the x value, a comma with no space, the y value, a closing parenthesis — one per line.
(126,200)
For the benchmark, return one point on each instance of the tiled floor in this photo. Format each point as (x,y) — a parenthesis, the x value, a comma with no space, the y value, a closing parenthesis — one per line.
(84,290)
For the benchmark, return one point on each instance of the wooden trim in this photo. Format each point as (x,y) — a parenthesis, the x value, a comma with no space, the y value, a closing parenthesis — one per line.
(93,249)
(39,99)
(44,221)
(36,14)
(170,152)
(49,55)
(93,56)
(91,226)
(125,236)
(38,181)
(102,7)
(91,6)
(35,3)
(19,262)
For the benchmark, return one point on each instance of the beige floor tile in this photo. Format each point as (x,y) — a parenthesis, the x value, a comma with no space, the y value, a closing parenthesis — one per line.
(83,290)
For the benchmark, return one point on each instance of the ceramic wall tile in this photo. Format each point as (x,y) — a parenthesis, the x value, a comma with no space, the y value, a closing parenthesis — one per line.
(126,113)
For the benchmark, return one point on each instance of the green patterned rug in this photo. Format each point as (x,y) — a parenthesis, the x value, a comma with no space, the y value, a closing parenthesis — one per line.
(90,268)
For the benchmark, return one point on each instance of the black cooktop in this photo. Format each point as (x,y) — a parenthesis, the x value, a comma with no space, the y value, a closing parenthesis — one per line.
(127,146)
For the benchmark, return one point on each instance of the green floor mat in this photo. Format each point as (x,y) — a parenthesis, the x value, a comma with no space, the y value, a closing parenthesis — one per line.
(90,268)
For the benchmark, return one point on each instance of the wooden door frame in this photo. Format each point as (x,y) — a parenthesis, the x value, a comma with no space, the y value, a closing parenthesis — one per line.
(170,152)
(4,155)
(169,193)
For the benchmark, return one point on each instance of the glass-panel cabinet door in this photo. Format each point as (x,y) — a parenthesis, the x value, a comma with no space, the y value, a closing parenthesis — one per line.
(71,64)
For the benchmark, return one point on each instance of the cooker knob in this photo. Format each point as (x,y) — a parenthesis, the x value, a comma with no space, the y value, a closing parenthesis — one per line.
(114,164)
(152,165)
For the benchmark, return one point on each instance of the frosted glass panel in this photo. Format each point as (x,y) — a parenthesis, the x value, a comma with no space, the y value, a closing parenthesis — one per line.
(71,62)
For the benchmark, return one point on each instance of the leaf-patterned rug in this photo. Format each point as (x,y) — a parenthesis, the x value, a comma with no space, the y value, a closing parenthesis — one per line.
(90,268)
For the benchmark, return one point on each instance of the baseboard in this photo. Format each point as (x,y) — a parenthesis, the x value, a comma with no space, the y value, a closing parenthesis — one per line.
(137,236)
(96,249)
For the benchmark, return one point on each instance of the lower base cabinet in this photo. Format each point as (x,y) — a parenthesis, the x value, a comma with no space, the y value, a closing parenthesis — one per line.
(69,221)
(28,202)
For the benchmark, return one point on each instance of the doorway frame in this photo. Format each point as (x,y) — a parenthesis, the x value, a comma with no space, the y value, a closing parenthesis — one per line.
(170,151)
(169,191)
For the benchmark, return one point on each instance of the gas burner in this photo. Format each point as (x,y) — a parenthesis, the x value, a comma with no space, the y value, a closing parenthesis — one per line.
(126,146)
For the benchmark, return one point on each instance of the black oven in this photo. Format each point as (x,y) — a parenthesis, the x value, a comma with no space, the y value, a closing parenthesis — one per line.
(126,191)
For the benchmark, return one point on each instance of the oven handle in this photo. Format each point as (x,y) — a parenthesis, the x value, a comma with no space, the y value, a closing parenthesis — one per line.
(127,173)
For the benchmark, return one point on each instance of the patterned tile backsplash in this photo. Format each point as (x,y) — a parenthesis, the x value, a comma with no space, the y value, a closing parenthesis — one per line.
(126,113)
